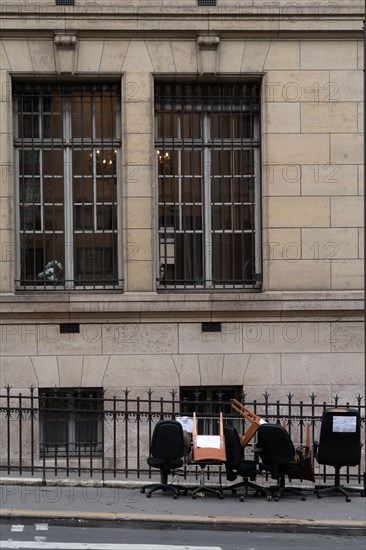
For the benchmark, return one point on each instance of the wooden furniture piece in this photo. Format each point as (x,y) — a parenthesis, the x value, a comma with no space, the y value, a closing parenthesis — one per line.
(208,450)
(254,420)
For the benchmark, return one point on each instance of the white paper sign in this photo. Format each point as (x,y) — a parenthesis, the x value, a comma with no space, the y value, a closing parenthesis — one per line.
(344,424)
(208,441)
(187,423)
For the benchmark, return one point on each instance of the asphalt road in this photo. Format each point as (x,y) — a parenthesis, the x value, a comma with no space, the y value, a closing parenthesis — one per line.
(42,536)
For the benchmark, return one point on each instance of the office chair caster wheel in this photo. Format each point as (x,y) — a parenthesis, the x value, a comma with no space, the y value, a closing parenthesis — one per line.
(175,497)
(142,490)
(276,499)
(303,498)
(348,499)
(242,499)
(221,497)
(148,495)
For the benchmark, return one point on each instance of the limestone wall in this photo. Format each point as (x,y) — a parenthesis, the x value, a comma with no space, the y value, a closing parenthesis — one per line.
(312,196)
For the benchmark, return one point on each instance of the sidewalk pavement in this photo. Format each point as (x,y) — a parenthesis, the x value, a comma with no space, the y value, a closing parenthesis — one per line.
(117,502)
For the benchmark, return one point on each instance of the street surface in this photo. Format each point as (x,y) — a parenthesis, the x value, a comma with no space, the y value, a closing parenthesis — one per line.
(42,536)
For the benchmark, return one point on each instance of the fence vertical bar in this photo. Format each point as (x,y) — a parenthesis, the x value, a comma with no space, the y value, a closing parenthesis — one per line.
(126,391)
(114,417)
(101,414)
(8,388)
(20,418)
(32,427)
(67,442)
(43,418)
(56,412)
(138,437)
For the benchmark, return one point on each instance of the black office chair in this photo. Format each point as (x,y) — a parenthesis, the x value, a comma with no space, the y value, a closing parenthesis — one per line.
(166,453)
(237,465)
(339,445)
(277,453)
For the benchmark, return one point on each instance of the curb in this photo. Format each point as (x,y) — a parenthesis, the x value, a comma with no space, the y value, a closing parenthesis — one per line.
(222,523)
(66,482)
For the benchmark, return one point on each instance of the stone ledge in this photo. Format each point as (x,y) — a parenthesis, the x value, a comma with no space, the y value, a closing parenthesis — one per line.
(150,307)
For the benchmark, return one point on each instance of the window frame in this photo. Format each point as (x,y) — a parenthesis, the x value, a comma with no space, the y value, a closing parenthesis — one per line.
(66,146)
(207,146)
(69,419)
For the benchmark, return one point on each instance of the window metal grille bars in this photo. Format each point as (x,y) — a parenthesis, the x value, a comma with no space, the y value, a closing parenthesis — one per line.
(207,147)
(67,143)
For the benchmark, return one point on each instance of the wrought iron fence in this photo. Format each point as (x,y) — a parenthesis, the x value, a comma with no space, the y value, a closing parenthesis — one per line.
(86,433)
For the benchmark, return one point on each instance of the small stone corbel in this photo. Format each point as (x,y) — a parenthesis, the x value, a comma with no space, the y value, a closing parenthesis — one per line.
(65,40)
(208,53)
(65,52)
(208,42)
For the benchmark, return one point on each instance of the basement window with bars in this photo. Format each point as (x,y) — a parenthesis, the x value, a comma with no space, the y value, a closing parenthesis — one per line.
(207,141)
(207,402)
(67,141)
(71,421)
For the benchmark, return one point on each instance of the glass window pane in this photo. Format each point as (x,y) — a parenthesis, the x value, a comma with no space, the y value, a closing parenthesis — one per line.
(189,258)
(167,192)
(166,125)
(221,162)
(222,217)
(30,218)
(53,190)
(167,162)
(53,162)
(54,218)
(28,126)
(82,118)
(191,162)
(52,126)
(105,123)
(83,217)
(105,162)
(106,217)
(191,217)
(107,189)
(38,251)
(191,189)
(83,189)
(169,216)
(82,162)
(95,257)
(29,162)
(29,190)
(191,125)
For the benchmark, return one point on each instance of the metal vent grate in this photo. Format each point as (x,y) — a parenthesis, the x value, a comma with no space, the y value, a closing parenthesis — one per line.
(69,328)
(65,2)
(206,2)
(211,327)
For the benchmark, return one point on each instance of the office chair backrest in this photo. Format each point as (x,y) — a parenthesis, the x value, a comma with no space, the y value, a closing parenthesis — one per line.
(340,438)
(167,440)
(275,444)
(234,449)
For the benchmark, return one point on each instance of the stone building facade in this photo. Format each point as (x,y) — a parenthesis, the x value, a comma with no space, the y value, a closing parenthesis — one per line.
(234,135)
